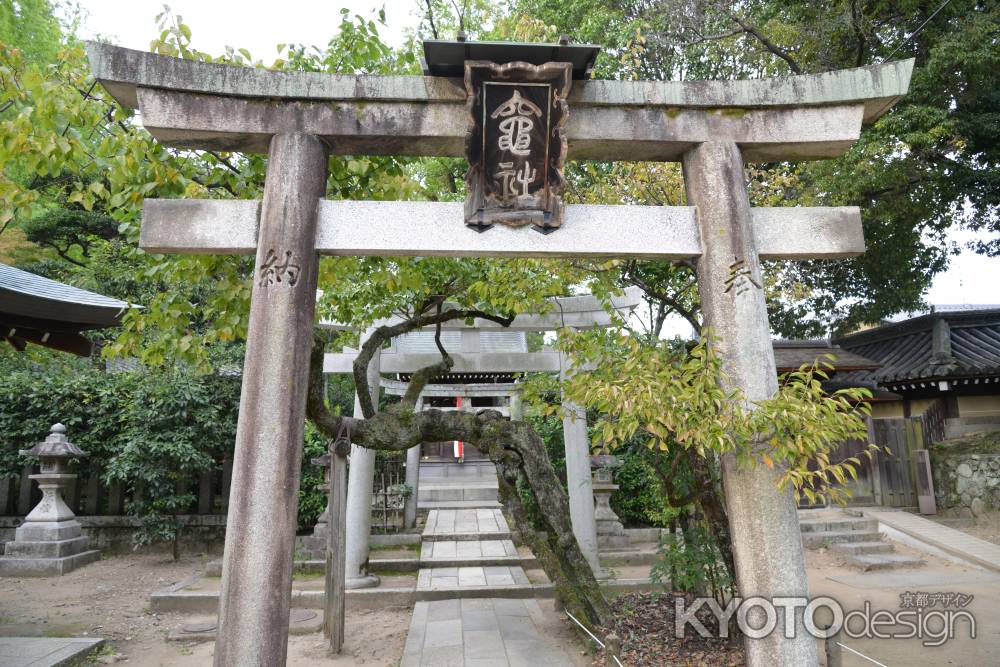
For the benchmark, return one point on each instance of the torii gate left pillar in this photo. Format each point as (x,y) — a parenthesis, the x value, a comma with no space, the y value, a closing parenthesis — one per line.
(266,464)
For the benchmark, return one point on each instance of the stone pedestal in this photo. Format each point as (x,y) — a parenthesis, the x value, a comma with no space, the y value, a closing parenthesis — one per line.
(50,542)
(611,535)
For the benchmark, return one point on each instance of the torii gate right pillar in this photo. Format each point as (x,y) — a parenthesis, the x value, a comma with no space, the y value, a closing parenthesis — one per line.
(767,546)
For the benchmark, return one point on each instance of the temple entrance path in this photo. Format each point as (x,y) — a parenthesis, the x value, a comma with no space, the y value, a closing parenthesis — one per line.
(485,614)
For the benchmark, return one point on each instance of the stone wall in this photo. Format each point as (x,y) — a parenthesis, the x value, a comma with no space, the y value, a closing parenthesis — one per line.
(966,484)
(957,427)
(203,533)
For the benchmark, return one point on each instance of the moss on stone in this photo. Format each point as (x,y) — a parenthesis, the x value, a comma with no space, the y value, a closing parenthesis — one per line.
(977,443)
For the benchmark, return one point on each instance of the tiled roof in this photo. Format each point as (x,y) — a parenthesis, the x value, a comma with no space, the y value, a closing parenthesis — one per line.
(26,295)
(790,355)
(967,345)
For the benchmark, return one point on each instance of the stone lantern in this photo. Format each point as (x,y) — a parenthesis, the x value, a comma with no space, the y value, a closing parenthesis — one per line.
(313,547)
(611,533)
(49,542)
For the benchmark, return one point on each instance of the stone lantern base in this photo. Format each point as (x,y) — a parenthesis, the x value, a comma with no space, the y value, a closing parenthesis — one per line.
(46,549)
(611,535)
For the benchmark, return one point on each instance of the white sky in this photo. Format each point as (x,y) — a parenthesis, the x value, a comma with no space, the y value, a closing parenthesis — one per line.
(259,26)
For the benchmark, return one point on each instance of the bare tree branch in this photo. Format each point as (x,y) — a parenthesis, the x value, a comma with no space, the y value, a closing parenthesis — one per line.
(430,18)
(671,300)
(751,29)
(519,454)
(384,333)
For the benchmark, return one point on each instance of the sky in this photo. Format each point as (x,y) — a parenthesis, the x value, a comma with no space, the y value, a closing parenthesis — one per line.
(259,26)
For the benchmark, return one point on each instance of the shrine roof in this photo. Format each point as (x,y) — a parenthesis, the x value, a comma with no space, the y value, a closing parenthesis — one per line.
(122,71)
(447,58)
(966,344)
(50,313)
(25,294)
(790,355)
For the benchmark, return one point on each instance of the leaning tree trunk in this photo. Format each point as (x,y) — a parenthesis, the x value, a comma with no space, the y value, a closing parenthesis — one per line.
(514,448)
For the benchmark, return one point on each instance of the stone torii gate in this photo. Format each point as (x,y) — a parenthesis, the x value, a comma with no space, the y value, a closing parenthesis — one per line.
(574,312)
(299,118)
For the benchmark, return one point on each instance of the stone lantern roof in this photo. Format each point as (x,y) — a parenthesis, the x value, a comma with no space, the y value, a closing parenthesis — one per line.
(55,446)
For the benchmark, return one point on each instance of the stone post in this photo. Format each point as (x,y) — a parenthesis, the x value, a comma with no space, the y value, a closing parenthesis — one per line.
(361,476)
(578,480)
(516,406)
(334,583)
(763,521)
(413,478)
(260,535)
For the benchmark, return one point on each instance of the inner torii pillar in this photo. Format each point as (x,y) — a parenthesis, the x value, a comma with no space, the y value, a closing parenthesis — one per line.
(361,479)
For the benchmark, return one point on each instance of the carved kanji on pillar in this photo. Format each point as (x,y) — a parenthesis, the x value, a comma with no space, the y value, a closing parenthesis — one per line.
(516,145)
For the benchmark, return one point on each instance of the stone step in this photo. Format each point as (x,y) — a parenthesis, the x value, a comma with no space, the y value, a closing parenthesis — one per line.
(455,492)
(470,470)
(457,504)
(875,562)
(444,524)
(862,548)
(838,525)
(456,553)
(471,577)
(466,537)
(816,540)
(300,622)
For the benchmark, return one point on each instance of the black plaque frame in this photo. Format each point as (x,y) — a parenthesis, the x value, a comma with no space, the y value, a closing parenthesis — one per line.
(543,208)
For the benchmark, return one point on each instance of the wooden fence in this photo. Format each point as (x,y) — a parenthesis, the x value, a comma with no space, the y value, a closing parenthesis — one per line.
(388,501)
(890,478)
(88,495)
(896,471)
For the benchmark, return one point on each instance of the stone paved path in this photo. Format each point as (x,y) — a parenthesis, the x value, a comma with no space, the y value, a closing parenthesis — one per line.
(982,553)
(488,632)
(468,552)
(44,651)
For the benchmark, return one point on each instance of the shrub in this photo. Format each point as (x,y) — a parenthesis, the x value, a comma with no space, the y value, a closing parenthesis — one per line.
(153,430)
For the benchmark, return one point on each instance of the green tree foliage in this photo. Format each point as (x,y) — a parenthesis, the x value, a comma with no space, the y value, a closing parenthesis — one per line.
(153,431)
(928,166)
(71,233)
(32,27)
(680,400)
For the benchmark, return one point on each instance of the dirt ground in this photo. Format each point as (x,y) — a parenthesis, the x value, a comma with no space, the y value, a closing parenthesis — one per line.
(828,576)
(110,599)
(986,527)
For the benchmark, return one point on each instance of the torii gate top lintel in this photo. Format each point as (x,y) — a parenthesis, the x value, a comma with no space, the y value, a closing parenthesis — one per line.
(611,120)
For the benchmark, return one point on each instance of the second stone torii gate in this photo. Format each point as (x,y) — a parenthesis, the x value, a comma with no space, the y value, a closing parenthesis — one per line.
(575,312)
(712,127)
